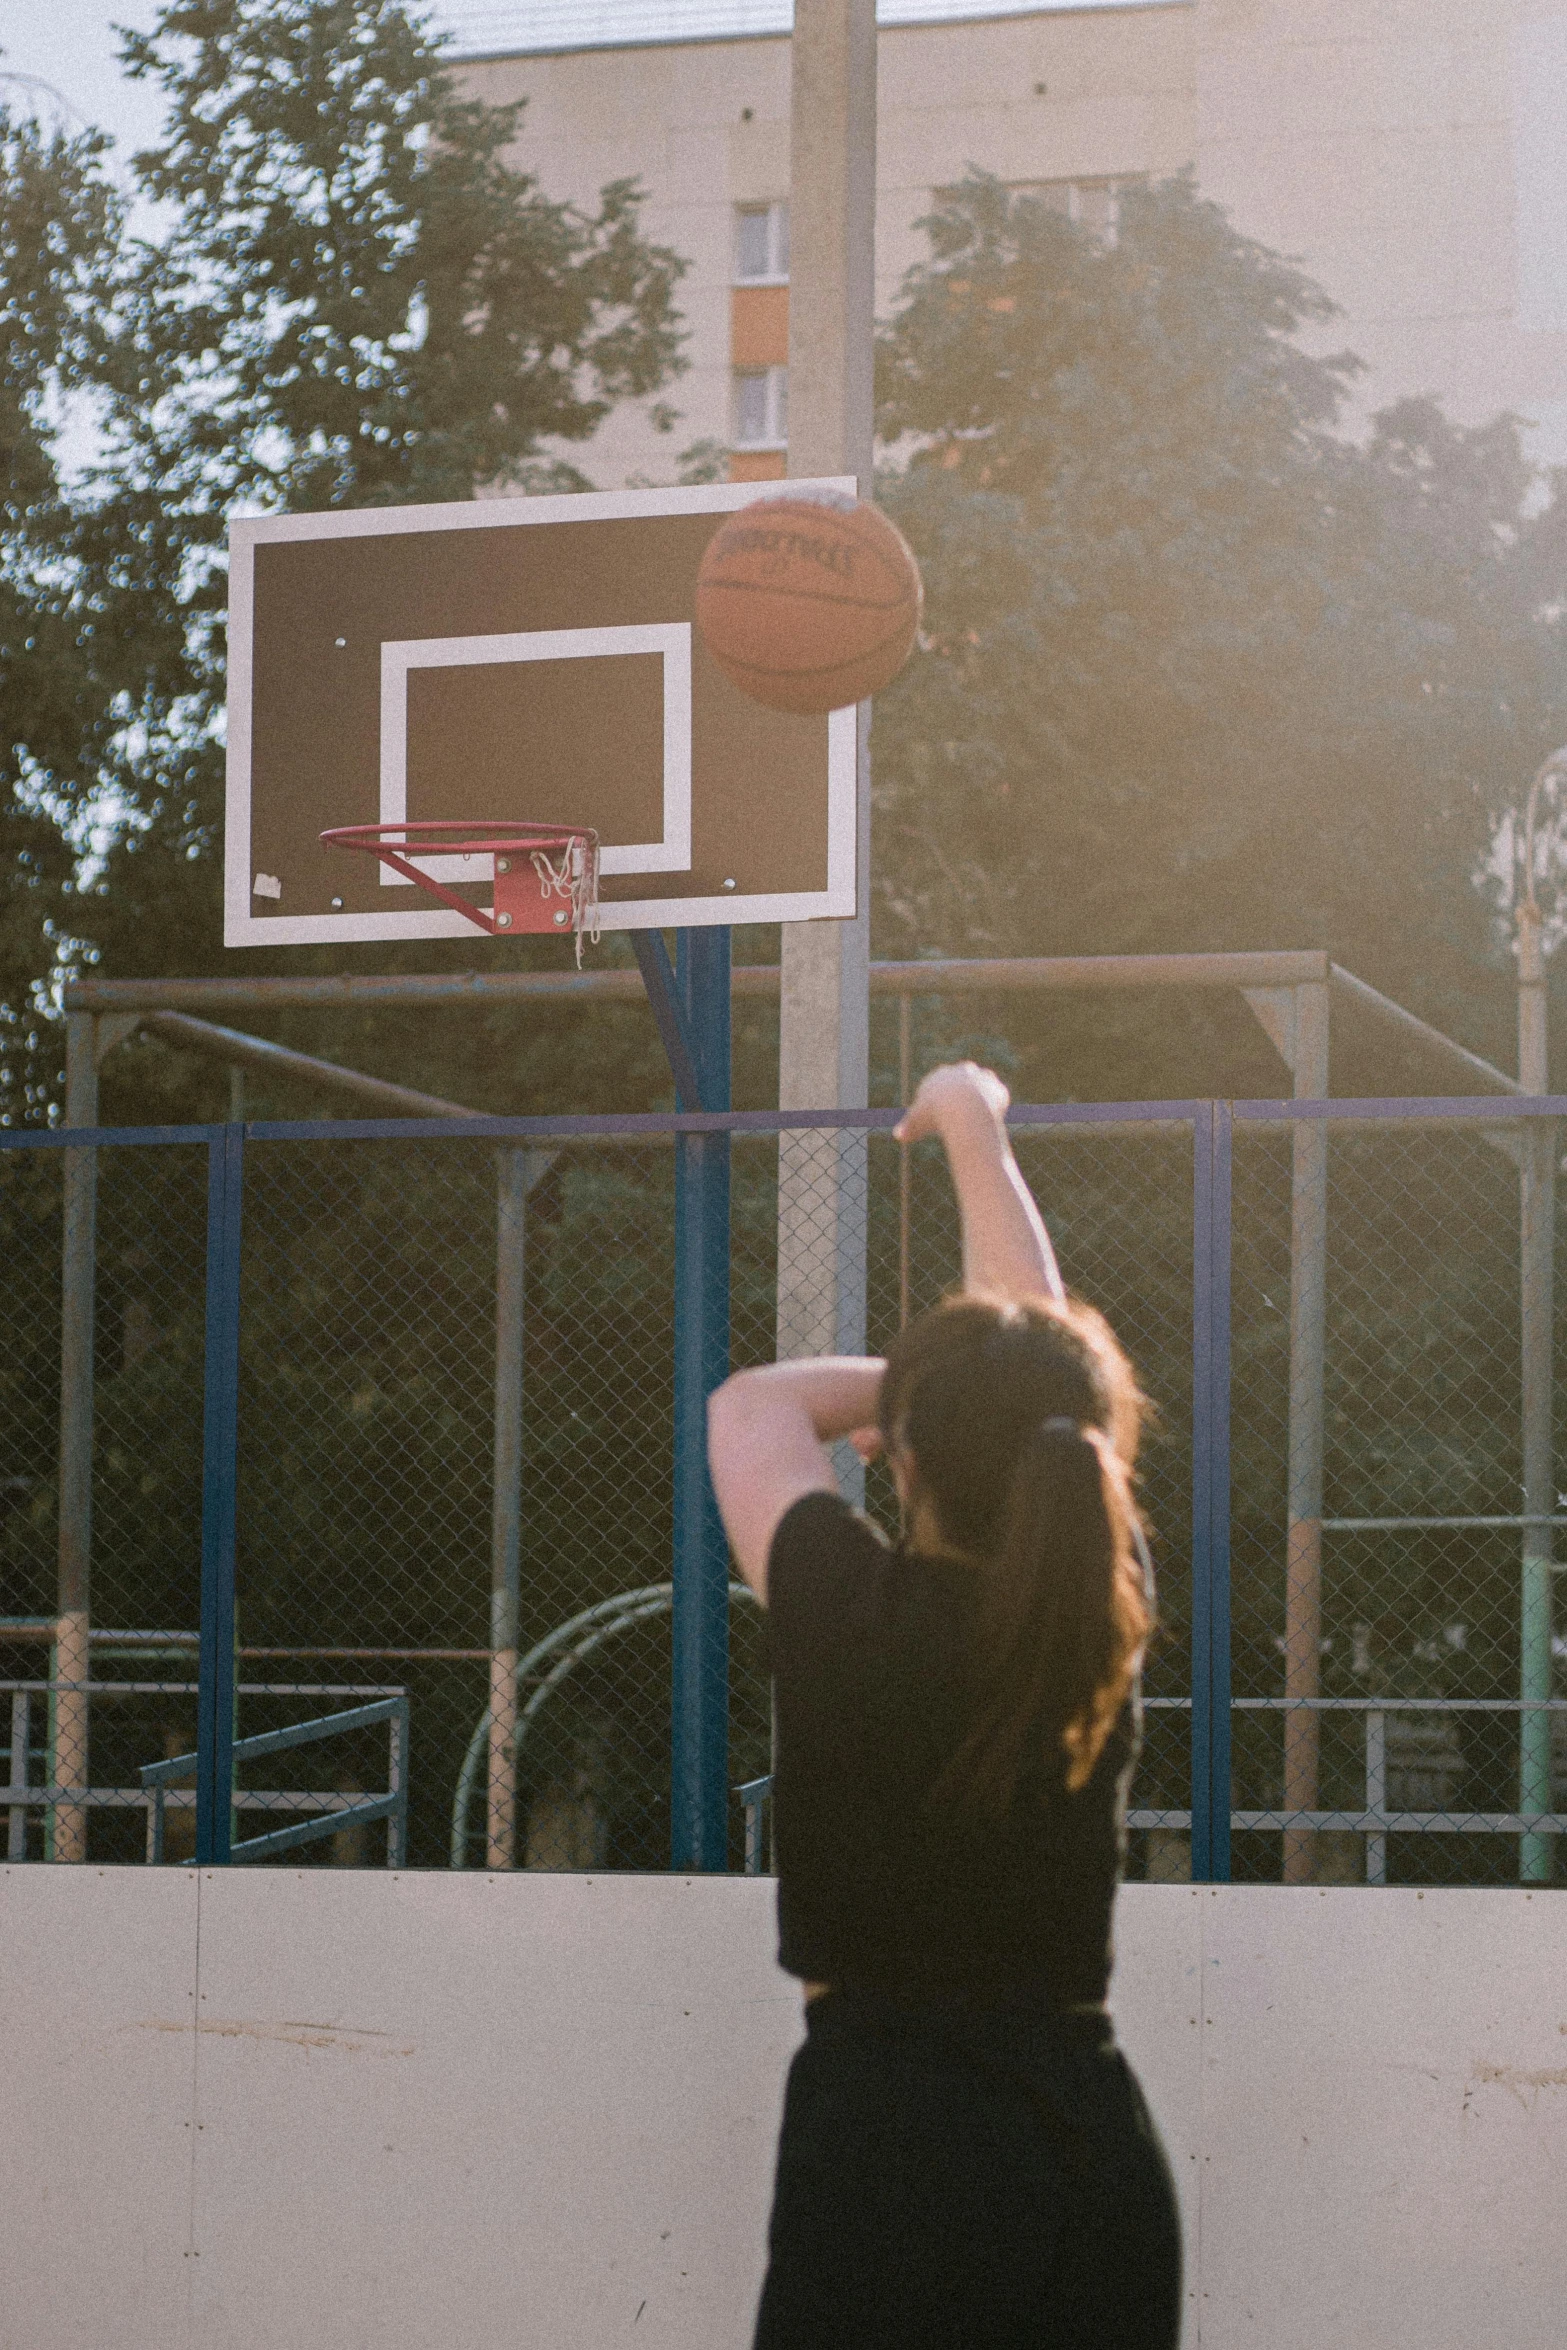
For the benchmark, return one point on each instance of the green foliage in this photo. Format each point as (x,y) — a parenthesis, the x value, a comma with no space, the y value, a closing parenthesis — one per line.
(58,219)
(30,1239)
(355,296)
(361,300)
(1198,670)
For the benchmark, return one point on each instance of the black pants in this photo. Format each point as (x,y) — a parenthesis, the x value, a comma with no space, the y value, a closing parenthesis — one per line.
(955,2179)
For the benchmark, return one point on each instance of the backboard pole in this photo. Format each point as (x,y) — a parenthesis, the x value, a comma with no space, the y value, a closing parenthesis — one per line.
(700,1630)
(824,1011)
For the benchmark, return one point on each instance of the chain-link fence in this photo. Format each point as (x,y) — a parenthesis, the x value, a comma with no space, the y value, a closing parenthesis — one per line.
(1398,1679)
(102,1486)
(409,1588)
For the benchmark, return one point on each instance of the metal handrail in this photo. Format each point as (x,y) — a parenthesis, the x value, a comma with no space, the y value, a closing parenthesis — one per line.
(391,1807)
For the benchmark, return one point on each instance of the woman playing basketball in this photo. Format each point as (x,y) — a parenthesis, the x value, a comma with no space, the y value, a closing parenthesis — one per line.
(966,2161)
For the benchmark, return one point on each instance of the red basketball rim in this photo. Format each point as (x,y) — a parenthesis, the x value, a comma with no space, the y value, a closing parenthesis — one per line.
(525,857)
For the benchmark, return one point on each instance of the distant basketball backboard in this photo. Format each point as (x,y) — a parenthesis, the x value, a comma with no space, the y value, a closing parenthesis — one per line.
(525,659)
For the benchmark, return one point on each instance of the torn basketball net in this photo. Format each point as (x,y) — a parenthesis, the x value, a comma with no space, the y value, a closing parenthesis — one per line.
(546,875)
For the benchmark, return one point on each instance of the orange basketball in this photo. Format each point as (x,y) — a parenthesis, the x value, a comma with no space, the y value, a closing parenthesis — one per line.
(808,605)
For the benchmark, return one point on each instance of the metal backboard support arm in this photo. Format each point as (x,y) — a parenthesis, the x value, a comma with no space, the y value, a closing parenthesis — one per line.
(669,1010)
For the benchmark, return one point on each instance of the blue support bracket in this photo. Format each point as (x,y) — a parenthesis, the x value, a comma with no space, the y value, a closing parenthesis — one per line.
(219,1493)
(1212,1151)
(672,1013)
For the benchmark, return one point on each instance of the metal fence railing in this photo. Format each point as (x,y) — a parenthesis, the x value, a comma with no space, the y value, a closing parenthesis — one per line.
(345,1467)
(1399,1705)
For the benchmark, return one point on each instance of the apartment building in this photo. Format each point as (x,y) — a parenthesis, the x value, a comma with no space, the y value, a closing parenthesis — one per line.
(1412,154)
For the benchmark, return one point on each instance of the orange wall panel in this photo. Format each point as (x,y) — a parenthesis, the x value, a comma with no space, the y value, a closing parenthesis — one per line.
(759,326)
(756,464)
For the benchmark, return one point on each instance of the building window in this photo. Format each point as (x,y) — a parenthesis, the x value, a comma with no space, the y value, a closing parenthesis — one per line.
(761,407)
(762,245)
(1094,203)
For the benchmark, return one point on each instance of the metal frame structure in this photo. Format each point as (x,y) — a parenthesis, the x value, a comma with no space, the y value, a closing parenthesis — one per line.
(700,1700)
(1290,993)
(334,1812)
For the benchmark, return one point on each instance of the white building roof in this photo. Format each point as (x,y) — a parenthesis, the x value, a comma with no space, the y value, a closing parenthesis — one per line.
(521,28)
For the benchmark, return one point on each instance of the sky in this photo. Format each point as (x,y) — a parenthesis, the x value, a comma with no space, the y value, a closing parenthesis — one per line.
(71,44)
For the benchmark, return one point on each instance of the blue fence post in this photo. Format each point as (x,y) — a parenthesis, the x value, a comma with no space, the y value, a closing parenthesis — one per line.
(219,1486)
(700,1632)
(1212,1140)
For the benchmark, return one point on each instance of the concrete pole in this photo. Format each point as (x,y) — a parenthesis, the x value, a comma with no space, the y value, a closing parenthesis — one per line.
(1537,1242)
(1303,1550)
(832,239)
(68,1712)
(824,1040)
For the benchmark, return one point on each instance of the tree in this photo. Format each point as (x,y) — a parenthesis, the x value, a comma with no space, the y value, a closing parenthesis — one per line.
(58,221)
(356,297)
(1199,671)
(1202,671)
(360,300)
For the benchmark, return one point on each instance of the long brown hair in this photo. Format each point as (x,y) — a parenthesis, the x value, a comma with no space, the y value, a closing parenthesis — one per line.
(1020,1424)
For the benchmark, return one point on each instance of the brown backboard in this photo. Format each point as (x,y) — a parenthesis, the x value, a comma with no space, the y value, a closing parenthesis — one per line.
(531,659)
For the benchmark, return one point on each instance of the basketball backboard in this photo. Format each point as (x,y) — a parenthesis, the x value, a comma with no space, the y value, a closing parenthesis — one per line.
(527,659)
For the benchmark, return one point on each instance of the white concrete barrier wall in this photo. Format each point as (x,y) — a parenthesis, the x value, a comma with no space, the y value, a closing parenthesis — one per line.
(251,2111)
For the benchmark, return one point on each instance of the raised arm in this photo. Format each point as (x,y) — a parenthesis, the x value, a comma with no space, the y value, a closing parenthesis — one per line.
(1006,1249)
(768,1430)
(767,1436)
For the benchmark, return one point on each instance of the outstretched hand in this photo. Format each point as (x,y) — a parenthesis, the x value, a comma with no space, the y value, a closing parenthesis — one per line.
(954,1091)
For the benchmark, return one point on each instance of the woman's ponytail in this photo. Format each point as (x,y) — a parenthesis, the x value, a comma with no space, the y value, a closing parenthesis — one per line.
(1019,1426)
(1064,1617)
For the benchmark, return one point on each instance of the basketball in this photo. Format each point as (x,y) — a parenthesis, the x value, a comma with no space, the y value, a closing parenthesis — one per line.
(806,605)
